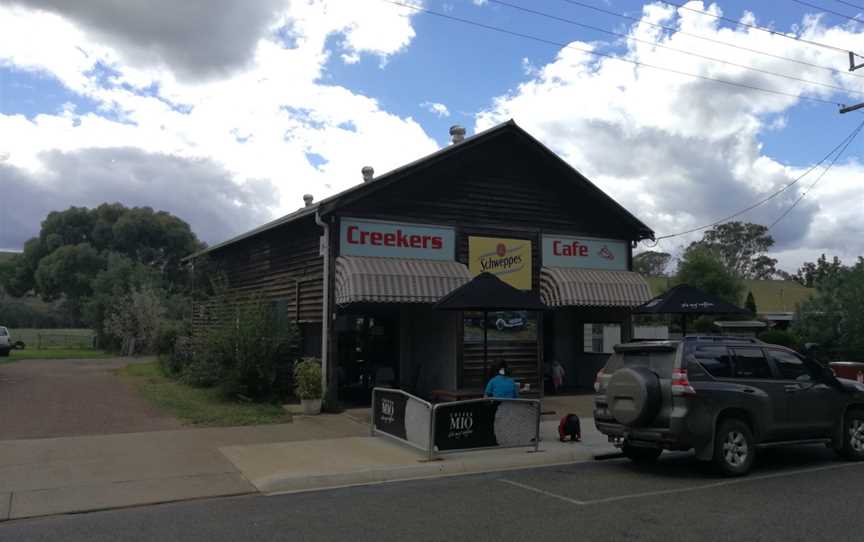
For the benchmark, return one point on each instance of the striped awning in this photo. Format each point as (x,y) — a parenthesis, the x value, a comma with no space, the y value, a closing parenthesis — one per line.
(396,280)
(566,287)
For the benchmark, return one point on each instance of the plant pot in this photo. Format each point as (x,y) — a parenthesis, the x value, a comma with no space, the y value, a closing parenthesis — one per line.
(311,406)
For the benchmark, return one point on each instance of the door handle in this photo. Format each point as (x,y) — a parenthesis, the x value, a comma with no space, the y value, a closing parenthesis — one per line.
(792,387)
(748,390)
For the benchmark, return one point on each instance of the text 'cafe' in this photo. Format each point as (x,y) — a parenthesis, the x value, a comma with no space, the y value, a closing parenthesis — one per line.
(358,272)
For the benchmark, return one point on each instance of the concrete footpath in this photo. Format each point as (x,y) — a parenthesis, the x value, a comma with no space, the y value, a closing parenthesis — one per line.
(41,477)
(302,466)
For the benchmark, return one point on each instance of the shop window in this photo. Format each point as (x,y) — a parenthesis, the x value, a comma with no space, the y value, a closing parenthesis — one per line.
(501,326)
(600,338)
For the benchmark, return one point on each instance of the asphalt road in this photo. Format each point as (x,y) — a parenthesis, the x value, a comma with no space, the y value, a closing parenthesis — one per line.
(793,494)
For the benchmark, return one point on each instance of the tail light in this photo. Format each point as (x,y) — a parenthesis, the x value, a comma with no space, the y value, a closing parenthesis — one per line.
(680,384)
(597,380)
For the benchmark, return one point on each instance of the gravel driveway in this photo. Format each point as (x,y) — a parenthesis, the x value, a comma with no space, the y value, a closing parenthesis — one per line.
(53,398)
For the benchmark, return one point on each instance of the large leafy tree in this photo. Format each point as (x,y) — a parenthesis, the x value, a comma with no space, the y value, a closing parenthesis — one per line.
(76,247)
(651,263)
(742,248)
(811,273)
(700,267)
(834,317)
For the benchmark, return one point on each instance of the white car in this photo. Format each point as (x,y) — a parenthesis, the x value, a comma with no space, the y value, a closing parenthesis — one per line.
(5,342)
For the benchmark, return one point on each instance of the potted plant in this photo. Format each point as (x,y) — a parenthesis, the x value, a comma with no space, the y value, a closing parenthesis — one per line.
(307,384)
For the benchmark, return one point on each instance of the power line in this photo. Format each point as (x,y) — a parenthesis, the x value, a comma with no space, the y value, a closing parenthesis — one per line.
(681,51)
(639,20)
(850,4)
(826,10)
(843,144)
(757,27)
(608,55)
(819,178)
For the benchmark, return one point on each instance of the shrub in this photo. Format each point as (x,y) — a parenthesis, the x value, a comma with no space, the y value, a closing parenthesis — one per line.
(307,379)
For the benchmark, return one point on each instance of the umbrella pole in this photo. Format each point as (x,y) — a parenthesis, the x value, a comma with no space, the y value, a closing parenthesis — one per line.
(683,325)
(485,348)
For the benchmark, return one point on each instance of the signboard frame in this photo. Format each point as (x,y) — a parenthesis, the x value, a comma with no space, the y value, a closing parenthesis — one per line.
(586,247)
(392,242)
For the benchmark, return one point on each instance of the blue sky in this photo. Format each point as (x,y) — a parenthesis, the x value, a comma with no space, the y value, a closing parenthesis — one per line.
(296,98)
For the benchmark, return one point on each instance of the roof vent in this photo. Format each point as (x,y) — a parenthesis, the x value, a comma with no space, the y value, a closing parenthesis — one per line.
(368,173)
(307,199)
(457,133)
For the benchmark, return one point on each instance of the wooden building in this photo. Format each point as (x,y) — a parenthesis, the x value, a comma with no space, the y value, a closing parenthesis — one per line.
(359,271)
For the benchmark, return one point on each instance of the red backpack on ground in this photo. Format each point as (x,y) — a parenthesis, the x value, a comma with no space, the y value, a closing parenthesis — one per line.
(569,426)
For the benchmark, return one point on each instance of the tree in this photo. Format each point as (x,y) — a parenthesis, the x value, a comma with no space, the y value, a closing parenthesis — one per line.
(700,267)
(810,273)
(750,303)
(834,317)
(651,263)
(135,319)
(741,247)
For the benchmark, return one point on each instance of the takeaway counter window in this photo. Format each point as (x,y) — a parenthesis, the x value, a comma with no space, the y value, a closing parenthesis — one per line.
(501,326)
(600,338)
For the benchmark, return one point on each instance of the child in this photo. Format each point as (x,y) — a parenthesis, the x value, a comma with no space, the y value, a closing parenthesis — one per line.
(558,374)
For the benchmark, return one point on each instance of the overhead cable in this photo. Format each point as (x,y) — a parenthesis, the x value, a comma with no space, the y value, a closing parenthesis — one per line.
(842,145)
(760,28)
(639,20)
(826,10)
(609,55)
(667,47)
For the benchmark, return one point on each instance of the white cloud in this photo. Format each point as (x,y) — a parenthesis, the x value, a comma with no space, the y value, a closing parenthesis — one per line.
(680,152)
(436,109)
(271,118)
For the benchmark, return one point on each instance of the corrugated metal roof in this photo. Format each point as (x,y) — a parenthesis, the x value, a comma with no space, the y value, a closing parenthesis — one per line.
(396,280)
(566,287)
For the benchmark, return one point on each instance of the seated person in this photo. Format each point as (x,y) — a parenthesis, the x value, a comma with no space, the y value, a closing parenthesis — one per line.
(501,385)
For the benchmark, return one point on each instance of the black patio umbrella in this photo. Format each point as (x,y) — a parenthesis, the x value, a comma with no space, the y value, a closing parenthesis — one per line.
(486,293)
(686,300)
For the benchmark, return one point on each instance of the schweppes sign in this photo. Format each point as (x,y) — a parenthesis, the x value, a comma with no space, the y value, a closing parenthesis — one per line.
(508,259)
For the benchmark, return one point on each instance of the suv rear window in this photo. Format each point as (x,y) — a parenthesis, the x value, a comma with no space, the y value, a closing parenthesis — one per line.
(3,332)
(659,361)
(751,363)
(715,359)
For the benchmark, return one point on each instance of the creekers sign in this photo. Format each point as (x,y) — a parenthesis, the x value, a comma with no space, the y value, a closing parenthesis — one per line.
(584,252)
(508,259)
(394,240)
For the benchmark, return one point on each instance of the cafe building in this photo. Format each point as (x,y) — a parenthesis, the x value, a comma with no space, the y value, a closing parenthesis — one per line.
(359,272)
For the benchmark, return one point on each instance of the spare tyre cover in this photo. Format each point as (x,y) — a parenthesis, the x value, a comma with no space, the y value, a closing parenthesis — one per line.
(633,395)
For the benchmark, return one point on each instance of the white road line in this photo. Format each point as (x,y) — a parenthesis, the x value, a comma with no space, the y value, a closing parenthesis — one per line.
(676,490)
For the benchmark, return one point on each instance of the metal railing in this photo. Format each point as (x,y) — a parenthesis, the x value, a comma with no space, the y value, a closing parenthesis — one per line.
(457,426)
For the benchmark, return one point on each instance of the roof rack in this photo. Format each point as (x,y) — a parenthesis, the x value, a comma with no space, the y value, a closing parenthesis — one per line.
(722,338)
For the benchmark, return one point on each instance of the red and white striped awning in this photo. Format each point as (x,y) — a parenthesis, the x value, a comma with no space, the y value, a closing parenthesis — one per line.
(567,287)
(396,280)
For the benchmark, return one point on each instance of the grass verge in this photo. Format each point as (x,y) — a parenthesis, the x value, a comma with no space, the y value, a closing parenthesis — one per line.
(198,406)
(55,353)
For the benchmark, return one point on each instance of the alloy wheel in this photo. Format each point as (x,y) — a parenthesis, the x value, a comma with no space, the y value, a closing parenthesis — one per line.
(735,448)
(856,435)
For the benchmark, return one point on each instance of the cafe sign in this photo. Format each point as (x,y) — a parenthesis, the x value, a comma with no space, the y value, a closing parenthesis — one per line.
(395,240)
(584,252)
(508,259)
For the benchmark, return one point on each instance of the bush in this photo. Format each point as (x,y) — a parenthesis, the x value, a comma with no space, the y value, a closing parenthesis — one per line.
(244,349)
(174,361)
(307,379)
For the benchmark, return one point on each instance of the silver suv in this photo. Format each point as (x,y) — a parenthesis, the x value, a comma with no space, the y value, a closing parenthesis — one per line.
(725,398)
(5,342)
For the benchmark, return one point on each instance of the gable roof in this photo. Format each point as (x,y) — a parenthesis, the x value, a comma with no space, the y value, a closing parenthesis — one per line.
(333,203)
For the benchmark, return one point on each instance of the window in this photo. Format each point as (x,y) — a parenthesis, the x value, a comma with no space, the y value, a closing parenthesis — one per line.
(600,338)
(751,363)
(791,367)
(3,332)
(716,360)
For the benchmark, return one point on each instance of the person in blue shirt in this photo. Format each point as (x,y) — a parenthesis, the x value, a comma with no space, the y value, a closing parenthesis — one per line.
(501,385)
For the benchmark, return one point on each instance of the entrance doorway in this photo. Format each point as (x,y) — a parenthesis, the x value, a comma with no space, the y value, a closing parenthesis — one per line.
(368,354)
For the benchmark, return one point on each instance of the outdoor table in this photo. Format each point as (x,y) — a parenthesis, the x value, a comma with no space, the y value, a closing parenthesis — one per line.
(442,395)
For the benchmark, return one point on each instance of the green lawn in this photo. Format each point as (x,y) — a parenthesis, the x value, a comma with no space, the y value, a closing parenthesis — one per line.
(196,406)
(55,353)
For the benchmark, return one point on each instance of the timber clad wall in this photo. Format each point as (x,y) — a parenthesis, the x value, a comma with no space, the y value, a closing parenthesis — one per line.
(283,265)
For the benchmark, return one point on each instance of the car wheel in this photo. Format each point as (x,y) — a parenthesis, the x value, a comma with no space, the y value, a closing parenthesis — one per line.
(853,436)
(640,455)
(734,448)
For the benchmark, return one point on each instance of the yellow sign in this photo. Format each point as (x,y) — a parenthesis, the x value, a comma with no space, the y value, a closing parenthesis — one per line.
(508,259)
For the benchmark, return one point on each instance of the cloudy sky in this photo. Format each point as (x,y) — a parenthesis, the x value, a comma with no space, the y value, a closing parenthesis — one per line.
(226,112)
